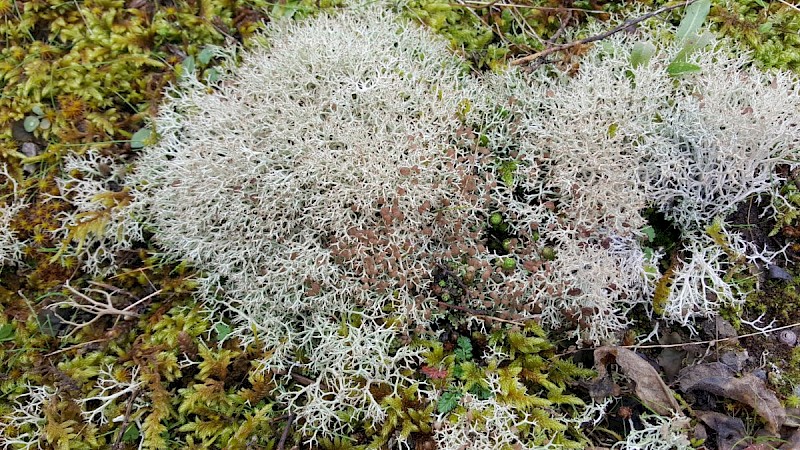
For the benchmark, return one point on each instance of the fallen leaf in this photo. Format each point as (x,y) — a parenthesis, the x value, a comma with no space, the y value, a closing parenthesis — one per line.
(649,387)
(730,430)
(670,360)
(793,442)
(719,379)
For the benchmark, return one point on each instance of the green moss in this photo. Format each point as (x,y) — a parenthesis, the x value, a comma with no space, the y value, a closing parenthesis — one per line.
(770,29)
(94,69)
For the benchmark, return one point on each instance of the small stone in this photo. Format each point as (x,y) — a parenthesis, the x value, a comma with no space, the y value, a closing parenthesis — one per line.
(19,133)
(29,149)
(734,360)
(719,328)
(761,374)
(778,273)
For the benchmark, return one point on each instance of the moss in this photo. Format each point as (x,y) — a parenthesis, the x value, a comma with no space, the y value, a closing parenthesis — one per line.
(95,69)
(770,30)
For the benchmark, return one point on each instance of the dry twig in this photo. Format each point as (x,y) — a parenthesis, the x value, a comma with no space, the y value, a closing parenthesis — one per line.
(285,433)
(597,37)
(118,445)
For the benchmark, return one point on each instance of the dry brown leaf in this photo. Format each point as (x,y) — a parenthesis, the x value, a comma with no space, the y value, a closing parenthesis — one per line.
(793,443)
(730,430)
(649,387)
(719,379)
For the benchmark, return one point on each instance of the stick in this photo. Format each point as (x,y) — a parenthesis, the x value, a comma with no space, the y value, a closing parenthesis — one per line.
(125,421)
(478,313)
(597,37)
(285,433)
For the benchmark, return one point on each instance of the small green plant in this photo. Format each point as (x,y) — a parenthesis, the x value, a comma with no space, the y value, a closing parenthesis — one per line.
(511,378)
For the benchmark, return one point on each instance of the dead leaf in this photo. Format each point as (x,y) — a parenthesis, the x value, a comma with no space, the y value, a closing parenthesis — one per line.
(730,430)
(719,379)
(792,418)
(649,387)
(670,360)
(793,442)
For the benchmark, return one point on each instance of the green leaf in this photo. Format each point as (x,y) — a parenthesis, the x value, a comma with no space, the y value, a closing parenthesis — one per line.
(212,75)
(187,66)
(30,123)
(692,44)
(641,54)
(612,130)
(131,434)
(507,171)
(650,233)
(496,219)
(283,10)
(223,331)
(6,332)
(458,371)
(693,19)
(141,138)
(482,392)
(464,349)
(678,68)
(448,401)
(205,55)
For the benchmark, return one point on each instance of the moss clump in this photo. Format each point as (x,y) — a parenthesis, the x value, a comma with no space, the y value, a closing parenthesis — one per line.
(770,29)
(93,69)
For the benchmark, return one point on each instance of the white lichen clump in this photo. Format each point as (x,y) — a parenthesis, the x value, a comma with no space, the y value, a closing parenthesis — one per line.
(600,147)
(101,223)
(309,185)
(657,433)
(23,426)
(11,246)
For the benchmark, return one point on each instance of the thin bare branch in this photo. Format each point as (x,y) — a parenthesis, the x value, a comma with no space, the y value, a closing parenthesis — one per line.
(475,4)
(597,37)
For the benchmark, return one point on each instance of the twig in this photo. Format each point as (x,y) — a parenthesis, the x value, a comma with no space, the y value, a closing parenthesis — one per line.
(76,346)
(449,274)
(714,341)
(305,381)
(474,4)
(285,433)
(564,21)
(711,341)
(478,313)
(126,420)
(790,5)
(597,37)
